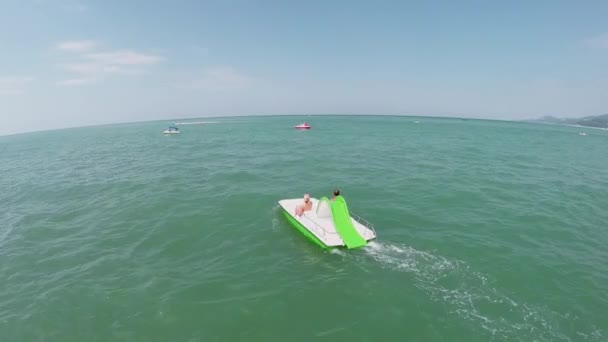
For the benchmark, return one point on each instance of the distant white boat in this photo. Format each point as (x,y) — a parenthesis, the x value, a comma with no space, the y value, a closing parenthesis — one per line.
(582,133)
(171,130)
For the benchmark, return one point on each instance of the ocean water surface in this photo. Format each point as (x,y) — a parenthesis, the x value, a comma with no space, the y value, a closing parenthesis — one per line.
(487,231)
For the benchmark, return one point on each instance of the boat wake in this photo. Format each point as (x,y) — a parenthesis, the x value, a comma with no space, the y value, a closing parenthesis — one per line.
(473,296)
(275,214)
(208,122)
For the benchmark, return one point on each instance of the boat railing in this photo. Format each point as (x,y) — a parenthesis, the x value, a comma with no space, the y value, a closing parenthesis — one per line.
(324,232)
(364,222)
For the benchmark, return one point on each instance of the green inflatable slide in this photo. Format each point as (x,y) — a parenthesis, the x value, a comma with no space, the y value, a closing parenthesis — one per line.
(344,225)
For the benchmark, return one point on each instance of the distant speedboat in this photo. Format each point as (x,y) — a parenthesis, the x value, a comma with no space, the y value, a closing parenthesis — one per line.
(582,133)
(171,130)
(303,125)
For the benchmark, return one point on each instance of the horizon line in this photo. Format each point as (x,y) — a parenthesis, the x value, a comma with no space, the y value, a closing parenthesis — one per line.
(266,115)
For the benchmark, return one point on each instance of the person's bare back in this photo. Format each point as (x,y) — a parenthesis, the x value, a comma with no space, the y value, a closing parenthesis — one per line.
(306,206)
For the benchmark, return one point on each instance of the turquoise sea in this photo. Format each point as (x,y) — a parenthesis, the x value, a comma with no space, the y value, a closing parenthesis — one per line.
(487,231)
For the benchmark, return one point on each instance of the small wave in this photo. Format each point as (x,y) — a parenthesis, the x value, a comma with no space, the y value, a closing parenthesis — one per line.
(275,217)
(275,224)
(471,296)
(337,251)
(330,331)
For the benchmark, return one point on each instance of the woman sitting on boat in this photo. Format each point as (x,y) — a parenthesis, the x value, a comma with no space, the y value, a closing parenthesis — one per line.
(306,206)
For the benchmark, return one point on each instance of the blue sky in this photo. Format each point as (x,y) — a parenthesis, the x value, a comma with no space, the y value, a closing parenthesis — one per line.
(70,62)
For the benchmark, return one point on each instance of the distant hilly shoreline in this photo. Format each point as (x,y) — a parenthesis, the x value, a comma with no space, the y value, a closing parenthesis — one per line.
(596,121)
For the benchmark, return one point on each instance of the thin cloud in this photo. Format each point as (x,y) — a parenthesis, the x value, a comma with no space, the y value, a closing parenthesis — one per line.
(13,85)
(76,45)
(82,68)
(93,66)
(599,41)
(76,81)
(123,57)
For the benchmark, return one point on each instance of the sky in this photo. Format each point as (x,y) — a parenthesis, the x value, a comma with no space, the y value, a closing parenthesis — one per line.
(66,63)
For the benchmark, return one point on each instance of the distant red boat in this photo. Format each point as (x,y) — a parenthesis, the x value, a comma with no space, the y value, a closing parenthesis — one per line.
(303,125)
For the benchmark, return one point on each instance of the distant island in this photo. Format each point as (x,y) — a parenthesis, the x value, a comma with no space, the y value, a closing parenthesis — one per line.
(598,121)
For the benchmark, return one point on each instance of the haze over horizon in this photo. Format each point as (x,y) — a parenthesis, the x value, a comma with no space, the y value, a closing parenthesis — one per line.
(75,63)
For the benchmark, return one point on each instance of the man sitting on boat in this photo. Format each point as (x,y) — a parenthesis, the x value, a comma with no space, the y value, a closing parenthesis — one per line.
(336,194)
(306,206)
